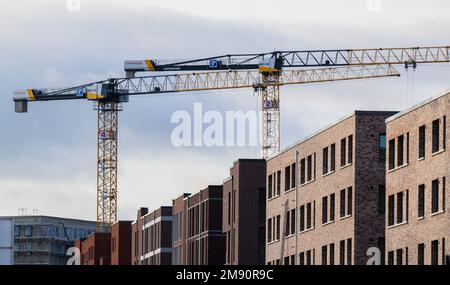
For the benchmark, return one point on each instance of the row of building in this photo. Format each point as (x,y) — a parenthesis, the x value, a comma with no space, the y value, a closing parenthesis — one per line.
(368,189)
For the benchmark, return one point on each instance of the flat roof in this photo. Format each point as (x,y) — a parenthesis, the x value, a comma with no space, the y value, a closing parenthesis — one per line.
(46,217)
(416,106)
(354,113)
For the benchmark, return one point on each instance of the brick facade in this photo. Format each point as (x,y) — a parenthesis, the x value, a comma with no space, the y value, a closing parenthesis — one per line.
(324,193)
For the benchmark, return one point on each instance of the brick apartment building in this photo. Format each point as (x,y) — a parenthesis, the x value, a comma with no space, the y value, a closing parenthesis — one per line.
(418,220)
(113,248)
(203,242)
(179,229)
(95,249)
(121,243)
(326,194)
(244,207)
(152,237)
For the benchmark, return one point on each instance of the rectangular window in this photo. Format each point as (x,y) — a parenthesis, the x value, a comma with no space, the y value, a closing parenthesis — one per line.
(349,251)
(390,258)
(435,138)
(308,257)
(287,224)
(308,216)
(342,203)
(278,227)
(325,161)
(28,231)
(421,254)
(269,188)
(350,201)
(382,148)
(331,254)
(302,218)
(391,210)
(332,206)
(324,255)
(343,152)
(333,157)
(302,258)
(399,256)
(302,171)
(400,207)
(400,144)
(324,210)
(293,221)
(293,170)
(435,196)
(287,178)
(381,199)
(421,201)
(342,252)
(309,168)
(392,154)
(434,252)
(444,127)
(278,182)
(350,149)
(422,141)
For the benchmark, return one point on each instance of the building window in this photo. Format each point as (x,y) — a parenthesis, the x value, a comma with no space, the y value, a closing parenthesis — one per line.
(399,256)
(421,201)
(421,254)
(342,252)
(399,207)
(324,210)
(28,231)
(391,210)
(302,258)
(400,145)
(434,252)
(381,199)
(346,202)
(278,183)
(302,171)
(333,157)
(349,251)
(269,231)
(325,161)
(324,255)
(391,154)
(269,187)
(229,206)
(332,207)
(435,138)
(278,227)
(391,258)
(309,168)
(438,195)
(287,178)
(16,231)
(350,149)
(331,254)
(293,215)
(307,216)
(382,147)
(343,152)
(302,218)
(422,142)
(293,176)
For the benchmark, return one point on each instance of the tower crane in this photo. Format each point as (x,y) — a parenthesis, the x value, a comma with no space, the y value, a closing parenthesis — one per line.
(264,73)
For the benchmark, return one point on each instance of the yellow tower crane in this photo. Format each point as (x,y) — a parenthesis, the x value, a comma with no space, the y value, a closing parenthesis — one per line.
(264,72)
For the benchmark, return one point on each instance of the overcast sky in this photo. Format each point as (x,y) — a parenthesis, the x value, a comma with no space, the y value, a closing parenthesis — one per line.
(48,156)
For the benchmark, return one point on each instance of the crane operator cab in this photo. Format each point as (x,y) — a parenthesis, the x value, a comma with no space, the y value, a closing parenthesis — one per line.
(273,64)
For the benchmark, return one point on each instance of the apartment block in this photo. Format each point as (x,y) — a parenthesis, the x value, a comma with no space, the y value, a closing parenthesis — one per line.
(40,240)
(95,249)
(152,237)
(204,242)
(121,243)
(325,194)
(417,207)
(244,208)
(179,230)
